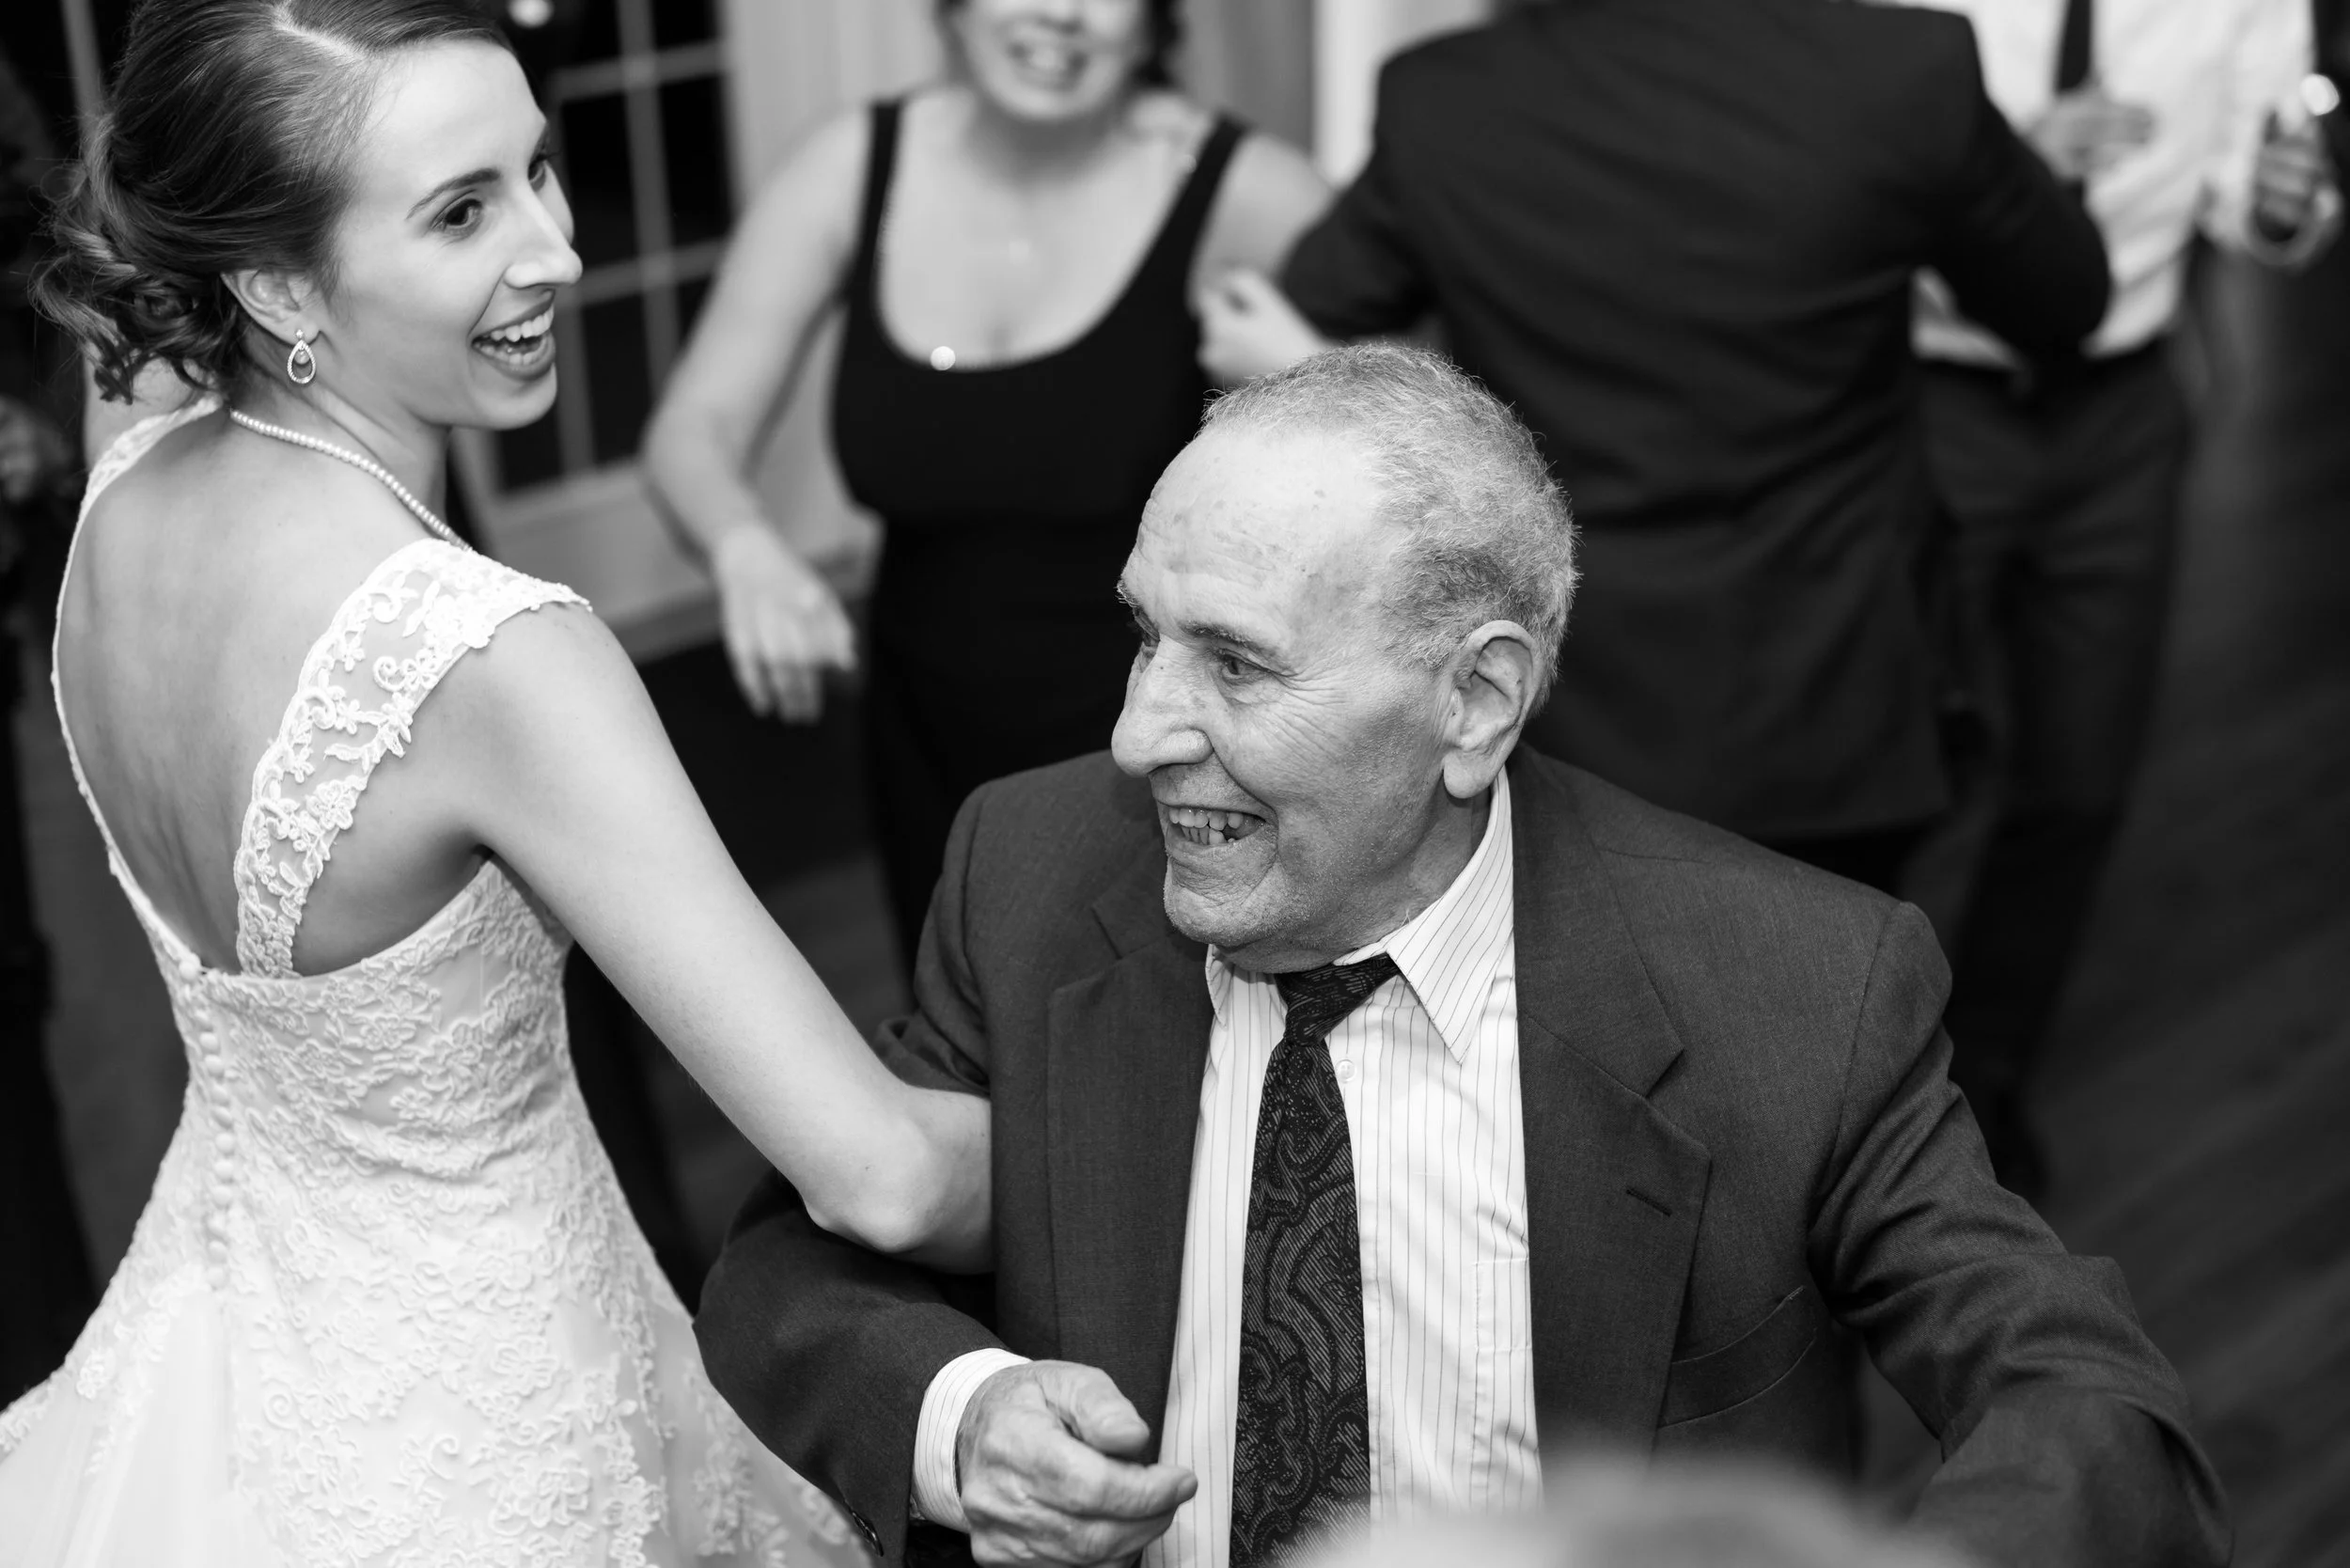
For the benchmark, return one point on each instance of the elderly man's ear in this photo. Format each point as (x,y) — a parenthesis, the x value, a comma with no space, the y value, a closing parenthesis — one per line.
(1494,679)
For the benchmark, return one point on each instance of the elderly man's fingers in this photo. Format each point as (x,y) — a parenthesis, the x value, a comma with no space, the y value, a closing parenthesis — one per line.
(1064,1479)
(1035,1486)
(1033,1534)
(1137,1493)
(1090,1404)
(1076,1542)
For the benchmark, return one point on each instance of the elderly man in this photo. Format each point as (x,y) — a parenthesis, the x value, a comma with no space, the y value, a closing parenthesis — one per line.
(1375,1101)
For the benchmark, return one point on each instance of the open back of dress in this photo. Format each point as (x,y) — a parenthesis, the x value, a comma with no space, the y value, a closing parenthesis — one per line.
(386,1305)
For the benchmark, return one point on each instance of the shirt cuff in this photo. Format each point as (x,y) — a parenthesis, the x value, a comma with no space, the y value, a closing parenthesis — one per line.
(938,1497)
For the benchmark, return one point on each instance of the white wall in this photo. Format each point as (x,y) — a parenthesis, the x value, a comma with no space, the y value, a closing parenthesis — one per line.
(1352,38)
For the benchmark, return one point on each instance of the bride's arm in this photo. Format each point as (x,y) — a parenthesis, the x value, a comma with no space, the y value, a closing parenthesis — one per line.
(562,769)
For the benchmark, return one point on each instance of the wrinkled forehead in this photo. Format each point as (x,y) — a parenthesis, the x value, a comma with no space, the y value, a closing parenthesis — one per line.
(1278,516)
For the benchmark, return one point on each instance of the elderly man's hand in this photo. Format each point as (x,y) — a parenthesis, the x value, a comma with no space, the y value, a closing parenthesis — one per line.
(2085,132)
(1048,1463)
(1249,328)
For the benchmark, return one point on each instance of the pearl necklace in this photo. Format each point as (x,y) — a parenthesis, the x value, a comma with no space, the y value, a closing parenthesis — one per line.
(365,464)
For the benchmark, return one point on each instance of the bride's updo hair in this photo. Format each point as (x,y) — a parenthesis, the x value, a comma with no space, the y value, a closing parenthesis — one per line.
(226,145)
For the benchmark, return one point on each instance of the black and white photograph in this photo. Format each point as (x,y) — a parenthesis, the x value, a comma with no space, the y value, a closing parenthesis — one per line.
(1174,784)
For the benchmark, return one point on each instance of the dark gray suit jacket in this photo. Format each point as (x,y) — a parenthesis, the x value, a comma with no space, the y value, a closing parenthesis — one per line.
(1738,1133)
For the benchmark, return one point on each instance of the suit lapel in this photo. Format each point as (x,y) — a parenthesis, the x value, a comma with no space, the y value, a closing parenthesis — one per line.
(1614,1189)
(1128,1046)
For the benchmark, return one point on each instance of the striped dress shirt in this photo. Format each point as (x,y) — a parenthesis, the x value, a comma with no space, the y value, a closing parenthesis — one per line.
(1428,1070)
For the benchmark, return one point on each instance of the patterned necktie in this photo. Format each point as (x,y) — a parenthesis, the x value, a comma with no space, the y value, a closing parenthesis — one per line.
(1301,1459)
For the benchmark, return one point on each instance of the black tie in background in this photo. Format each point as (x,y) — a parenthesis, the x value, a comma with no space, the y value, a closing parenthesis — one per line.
(2074,53)
(2075,61)
(1301,1458)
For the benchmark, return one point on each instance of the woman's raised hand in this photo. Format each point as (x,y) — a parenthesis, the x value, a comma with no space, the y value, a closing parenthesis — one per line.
(784,625)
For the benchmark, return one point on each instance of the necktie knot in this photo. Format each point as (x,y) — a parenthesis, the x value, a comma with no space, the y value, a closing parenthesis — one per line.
(1319,999)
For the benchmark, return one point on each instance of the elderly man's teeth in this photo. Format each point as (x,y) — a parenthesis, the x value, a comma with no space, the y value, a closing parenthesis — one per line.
(1200,826)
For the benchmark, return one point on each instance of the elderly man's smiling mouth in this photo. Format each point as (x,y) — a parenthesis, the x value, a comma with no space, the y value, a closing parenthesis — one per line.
(1207,828)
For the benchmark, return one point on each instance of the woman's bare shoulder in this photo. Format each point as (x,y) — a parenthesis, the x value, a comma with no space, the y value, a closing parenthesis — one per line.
(834,150)
(1271,195)
(550,694)
(1163,112)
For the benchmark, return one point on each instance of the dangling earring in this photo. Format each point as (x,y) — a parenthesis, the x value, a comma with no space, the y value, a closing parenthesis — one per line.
(302,366)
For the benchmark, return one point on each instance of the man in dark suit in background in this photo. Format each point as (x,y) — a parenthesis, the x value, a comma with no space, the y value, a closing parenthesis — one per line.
(1678,236)
(1375,1108)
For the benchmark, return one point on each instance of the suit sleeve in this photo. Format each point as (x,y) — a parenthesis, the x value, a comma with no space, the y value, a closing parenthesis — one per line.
(2018,250)
(2065,1432)
(1359,272)
(824,1348)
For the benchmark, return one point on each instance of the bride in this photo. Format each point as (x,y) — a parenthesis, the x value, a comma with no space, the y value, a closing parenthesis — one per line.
(386,1305)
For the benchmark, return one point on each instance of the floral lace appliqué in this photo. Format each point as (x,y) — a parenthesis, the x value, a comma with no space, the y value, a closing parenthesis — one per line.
(355,705)
(446,1343)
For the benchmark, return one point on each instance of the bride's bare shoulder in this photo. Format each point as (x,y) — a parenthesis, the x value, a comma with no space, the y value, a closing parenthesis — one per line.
(210,513)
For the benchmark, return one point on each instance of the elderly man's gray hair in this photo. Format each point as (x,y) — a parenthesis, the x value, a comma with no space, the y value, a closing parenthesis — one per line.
(1490,536)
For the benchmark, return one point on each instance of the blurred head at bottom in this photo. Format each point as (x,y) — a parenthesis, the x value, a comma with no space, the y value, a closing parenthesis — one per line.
(1605,1514)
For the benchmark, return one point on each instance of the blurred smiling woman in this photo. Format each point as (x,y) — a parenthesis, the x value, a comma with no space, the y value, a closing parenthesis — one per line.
(1016,249)
(386,1305)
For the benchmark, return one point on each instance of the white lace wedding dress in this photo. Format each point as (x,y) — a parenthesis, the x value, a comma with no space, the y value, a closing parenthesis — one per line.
(386,1305)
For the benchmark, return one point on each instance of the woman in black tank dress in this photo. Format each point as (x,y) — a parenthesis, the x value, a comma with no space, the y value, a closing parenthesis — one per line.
(1016,253)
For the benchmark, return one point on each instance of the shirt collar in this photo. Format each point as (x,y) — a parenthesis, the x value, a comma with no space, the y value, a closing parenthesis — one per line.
(1451,951)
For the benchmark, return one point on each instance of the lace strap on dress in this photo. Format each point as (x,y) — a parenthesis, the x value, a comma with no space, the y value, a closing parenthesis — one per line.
(136,441)
(424,608)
